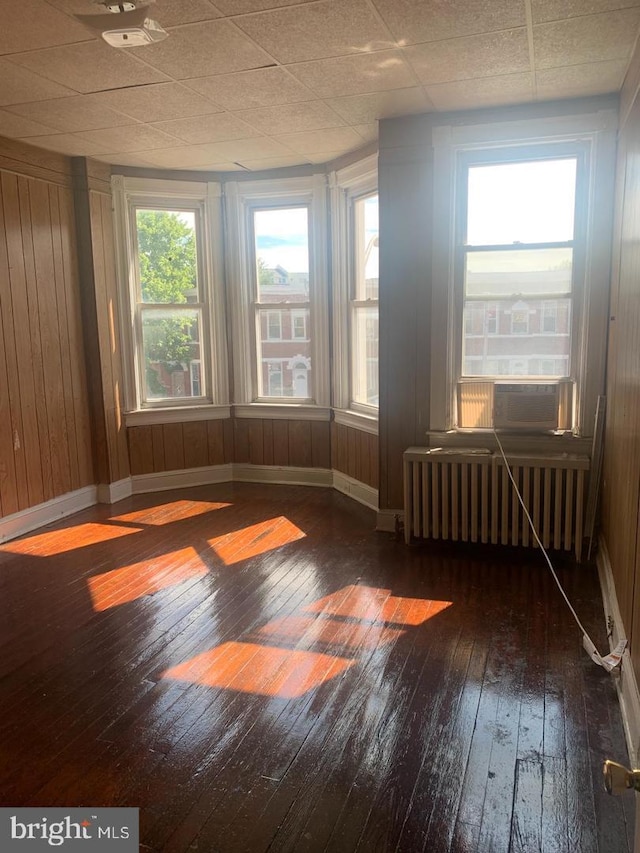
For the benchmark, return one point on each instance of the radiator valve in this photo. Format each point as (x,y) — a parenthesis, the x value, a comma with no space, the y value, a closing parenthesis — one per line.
(618,778)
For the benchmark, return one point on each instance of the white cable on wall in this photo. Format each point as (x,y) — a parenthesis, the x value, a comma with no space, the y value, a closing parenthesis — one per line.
(611,660)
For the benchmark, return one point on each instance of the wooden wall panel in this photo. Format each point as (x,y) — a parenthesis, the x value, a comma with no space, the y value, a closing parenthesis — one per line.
(45,431)
(621,476)
(355,453)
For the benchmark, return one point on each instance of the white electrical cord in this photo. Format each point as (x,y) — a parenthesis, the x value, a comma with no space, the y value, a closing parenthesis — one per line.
(610,661)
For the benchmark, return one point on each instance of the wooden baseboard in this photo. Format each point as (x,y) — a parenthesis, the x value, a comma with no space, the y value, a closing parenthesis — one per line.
(29,519)
(626,680)
(386,520)
(360,492)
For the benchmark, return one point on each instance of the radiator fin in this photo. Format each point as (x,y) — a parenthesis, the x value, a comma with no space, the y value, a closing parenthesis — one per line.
(468,496)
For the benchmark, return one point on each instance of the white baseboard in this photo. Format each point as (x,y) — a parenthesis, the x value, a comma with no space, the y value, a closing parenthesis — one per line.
(281,474)
(386,521)
(360,492)
(37,516)
(626,682)
(111,493)
(183,478)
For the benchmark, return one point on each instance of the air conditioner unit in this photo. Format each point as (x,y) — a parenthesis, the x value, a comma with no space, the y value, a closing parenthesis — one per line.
(520,406)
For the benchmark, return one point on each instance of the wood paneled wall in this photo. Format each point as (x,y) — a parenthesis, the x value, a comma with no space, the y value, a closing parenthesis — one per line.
(45,431)
(355,453)
(621,480)
(301,444)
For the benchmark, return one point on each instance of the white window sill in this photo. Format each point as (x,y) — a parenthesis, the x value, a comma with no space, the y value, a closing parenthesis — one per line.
(356,420)
(559,442)
(176,414)
(283,411)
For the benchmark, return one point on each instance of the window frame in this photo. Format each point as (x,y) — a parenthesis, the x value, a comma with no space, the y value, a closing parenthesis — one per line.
(348,185)
(591,136)
(242,199)
(130,195)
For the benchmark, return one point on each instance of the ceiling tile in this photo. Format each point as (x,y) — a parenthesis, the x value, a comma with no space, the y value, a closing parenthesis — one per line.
(213,128)
(413,21)
(133,137)
(368,132)
(18,85)
(257,147)
(32,24)
(274,162)
(197,50)
(587,39)
(71,114)
(16,127)
(244,90)
(89,67)
(328,156)
(556,10)
(317,30)
(189,155)
(136,159)
(351,75)
(364,109)
(576,80)
(215,166)
(157,102)
(239,7)
(314,142)
(310,116)
(69,143)
(483,92)
(486,55)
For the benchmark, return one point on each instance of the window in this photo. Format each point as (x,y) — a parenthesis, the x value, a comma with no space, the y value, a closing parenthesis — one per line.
(355,253)
(364,302)
(517,246)
(281,252)
(277,260)
(521,230)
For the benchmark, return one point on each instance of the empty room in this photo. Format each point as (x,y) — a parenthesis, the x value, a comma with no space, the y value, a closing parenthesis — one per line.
(320,425)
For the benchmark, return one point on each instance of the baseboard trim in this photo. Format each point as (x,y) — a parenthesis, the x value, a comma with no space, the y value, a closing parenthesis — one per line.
(360,492)
(281,474)
(27,520)
(180,479)
(386,520)
(626,682)
(111,493)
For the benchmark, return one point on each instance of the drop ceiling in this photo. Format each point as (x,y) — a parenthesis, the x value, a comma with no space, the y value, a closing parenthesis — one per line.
(259,84)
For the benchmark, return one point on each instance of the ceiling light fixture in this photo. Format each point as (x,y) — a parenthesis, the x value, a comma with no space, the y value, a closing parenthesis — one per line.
(125,24)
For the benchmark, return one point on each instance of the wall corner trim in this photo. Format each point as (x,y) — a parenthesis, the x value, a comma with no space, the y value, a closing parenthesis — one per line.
(626,683)
(360,492)
(12,526)
(111,493)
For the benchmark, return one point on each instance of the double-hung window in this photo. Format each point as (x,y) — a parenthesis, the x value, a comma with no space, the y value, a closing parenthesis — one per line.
(355,245)
(171,294)
(278,289)
(364,302)
(520,265)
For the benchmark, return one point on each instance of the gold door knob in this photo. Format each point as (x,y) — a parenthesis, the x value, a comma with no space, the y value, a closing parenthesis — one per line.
(618,778)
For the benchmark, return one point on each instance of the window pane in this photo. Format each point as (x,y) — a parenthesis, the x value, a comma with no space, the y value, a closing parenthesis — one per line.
(527,272)
(521,202)
(366,248)
(282,254)
(167,255)
(171,352)
(522,344)
(365,356)
(285,362)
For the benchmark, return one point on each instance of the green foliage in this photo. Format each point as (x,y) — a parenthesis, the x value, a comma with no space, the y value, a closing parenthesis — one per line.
(168,274)
(265,276)
(167,256)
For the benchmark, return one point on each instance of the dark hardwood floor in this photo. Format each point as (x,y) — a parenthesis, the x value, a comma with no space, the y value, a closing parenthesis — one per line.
(256,669)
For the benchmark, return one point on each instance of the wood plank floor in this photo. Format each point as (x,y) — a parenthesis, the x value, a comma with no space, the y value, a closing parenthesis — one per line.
(256,669)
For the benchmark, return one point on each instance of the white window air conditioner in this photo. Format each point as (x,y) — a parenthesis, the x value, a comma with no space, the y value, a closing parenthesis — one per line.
(520,406)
